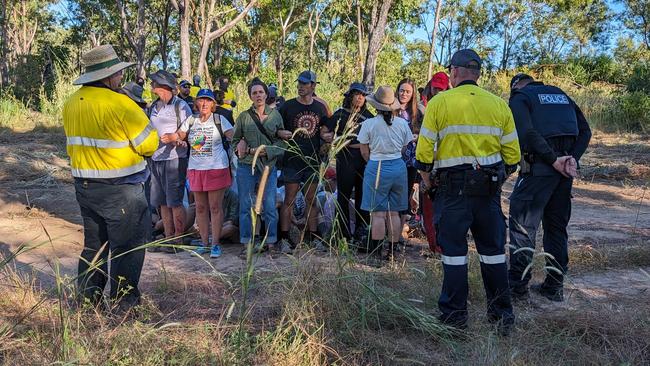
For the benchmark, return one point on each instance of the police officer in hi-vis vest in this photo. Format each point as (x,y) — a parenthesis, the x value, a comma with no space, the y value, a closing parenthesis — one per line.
(553,134)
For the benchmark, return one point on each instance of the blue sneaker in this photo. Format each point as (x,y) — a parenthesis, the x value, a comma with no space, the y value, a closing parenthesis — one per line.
(216,251)
(201,249)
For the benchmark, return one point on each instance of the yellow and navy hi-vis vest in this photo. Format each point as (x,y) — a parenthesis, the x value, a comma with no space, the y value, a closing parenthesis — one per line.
(107,134)
(466,125)
(228,96)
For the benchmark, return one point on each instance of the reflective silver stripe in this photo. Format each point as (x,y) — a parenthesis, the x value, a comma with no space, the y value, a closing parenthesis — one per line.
(471,130)
(454,261)
(492,259)
(482,160)
(91,142)
(509,138)
(109,173)
(428,133)
(142,136)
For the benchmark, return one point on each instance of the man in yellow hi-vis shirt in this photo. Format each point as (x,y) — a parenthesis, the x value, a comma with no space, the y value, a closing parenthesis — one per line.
(108,136)
(196,86)
(468,135)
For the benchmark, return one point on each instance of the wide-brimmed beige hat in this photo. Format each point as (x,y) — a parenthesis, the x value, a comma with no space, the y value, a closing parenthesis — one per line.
(384,99)
(100,62)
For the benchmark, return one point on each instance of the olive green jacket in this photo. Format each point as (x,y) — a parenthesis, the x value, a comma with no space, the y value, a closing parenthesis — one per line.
(245,129)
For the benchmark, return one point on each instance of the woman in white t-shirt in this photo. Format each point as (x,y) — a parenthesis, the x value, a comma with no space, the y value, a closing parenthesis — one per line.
(208,168)
(385,189)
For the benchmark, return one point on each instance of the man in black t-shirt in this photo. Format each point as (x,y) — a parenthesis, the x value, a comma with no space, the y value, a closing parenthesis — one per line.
(305,116)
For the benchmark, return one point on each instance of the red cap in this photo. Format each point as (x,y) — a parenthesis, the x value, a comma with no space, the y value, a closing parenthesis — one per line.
(330,173)
(440,80)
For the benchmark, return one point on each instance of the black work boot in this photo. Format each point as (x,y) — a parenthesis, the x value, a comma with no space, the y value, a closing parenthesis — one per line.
(553,294)
(519,293)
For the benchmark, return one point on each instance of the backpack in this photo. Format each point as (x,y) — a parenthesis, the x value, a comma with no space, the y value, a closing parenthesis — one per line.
(177,110)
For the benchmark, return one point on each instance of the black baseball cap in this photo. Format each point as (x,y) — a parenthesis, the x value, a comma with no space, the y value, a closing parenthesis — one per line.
(519,77)
(184,82)
(466,58)
(307,76)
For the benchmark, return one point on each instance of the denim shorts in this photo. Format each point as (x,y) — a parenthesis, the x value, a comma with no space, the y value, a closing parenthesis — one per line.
(390,191)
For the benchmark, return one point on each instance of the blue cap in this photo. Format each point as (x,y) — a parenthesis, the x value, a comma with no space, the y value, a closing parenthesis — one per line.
(307,76)
(206,93)
(360,87)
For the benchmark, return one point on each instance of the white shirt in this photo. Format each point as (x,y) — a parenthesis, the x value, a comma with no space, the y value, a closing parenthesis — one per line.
(205,143)
(385,142)
(166,121)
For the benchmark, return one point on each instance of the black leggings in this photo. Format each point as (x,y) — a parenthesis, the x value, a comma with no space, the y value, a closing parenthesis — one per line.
(350,167)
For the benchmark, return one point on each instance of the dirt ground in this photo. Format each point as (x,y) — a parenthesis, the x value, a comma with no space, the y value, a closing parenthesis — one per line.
(611,212)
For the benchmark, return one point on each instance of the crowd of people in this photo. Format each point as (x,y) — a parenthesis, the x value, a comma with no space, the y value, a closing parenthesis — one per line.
(435,156)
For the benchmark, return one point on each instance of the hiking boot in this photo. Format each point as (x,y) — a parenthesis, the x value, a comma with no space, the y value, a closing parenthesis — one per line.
(519,294)
(155,249)
(504,325)
(555,295)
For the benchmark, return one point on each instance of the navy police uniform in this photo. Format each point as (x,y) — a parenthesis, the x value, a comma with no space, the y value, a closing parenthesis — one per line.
(549,125)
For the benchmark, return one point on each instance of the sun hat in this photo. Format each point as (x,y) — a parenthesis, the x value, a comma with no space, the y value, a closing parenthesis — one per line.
(206,93)
(440,80)
(307,76)
(466,58)
(134,91)
(100,62)
(384,99)
(163,77)
(360,87)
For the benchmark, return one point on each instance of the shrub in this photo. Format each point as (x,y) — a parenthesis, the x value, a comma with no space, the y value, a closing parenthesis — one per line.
(628,112)
(639,81)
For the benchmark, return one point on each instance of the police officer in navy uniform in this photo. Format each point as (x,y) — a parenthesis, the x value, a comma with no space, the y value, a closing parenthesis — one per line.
(553,134)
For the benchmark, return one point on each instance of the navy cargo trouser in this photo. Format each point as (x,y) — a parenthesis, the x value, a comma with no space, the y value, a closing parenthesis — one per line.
(456,214)
(116,221)
(539,198)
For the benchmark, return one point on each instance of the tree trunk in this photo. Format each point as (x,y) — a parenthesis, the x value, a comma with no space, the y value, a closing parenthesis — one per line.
(434,35)
(278,61)
(253,63)
(376,35)
(217,54)
(209,35)
(138,39)
(360,36)
(184,24)
(4,66)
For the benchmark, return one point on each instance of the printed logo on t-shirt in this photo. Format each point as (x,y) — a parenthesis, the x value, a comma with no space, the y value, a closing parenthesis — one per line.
(307,120)
(201,141)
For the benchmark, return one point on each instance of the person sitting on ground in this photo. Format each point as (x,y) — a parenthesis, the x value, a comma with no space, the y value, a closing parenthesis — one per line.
(184,93)
(209,166)
(326,200)
(383,139)
(134,91)
(169,163)
(229,101)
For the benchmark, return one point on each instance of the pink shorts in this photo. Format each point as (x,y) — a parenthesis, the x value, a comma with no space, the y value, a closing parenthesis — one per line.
(209,180)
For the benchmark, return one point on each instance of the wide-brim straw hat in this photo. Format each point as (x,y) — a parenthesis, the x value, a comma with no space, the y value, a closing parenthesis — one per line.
(384,99)
(100,62)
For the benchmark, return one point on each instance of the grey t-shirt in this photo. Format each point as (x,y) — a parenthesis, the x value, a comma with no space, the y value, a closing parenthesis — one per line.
(164,120)
(385,142)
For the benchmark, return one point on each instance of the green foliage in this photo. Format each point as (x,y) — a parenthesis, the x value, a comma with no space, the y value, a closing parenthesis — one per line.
(629,113)
(586,69)
(639,81)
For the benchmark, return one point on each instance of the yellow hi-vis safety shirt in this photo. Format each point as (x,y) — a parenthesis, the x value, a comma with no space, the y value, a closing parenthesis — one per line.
(194,90)
(107,134)
(466,125)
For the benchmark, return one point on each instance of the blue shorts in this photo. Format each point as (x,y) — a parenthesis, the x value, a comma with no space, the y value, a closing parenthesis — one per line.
(390,192)
(168,182)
